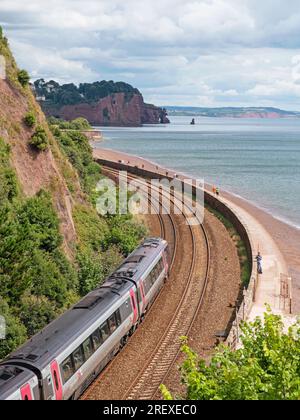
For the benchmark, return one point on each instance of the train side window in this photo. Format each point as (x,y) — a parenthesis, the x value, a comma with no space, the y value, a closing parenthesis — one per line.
(88,348)
(161,266)
(118,318)
(67,369)
(78,358)
(112,322)
(96,339)
(104,331)
(153,276)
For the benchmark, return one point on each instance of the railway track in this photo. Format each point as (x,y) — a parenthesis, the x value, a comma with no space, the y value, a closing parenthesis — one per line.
(158,364)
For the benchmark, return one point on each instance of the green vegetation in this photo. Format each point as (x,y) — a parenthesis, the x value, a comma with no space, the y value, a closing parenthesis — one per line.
(23,77)
(77,149)
(77,124)
(8,179)
(16,332)
(240,245)
(30,119)
(69,94)
(267,367)
(39,140)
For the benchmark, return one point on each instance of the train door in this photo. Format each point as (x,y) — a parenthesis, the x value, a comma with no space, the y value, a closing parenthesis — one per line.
(135,308)
(56,380)
(26,393)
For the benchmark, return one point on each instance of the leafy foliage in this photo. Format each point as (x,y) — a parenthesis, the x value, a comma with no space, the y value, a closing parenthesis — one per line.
(23,77)
(39,140)
(15,330)
(267,367)
(30,119)
(125,233)
(77,124)
(76,147)
(36,312)
(32,264)
(8,180)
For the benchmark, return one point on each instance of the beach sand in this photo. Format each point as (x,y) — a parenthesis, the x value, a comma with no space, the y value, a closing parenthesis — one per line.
(286,237)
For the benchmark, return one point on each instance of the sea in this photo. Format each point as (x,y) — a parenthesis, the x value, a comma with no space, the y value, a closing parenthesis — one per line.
(256,159)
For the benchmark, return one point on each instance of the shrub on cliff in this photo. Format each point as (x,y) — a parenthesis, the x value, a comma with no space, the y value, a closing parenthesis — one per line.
(23,77)
(8,179)
(30,119)
(39,140)
(30,255)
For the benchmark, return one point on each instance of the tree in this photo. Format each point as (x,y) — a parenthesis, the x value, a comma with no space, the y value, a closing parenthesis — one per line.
(23,77)
(267,367)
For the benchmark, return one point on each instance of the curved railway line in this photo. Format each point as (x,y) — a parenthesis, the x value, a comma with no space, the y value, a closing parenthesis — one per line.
(158,364)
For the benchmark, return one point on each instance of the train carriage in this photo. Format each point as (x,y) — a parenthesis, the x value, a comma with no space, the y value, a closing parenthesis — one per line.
(70,353)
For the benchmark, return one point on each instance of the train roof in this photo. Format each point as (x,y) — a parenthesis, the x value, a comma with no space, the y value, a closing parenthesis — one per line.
(11,379)
(46,345)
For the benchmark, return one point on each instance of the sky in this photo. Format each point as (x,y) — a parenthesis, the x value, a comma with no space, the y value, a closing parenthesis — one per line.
(177,52)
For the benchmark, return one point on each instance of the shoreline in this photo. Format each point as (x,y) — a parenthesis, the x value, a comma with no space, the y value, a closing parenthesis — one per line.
(286,237)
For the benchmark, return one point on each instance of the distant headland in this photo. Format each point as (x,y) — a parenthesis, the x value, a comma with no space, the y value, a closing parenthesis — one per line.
(231,112)
(103,103)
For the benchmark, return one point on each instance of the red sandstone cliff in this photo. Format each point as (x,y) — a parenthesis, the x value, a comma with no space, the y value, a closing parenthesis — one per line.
(114,110)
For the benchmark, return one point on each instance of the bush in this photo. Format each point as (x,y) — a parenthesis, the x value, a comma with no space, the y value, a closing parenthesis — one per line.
(38,217)
(39,140)
(91,230)
(30,119)
(15,331)
(30,258)
(125,233)
(267,367)
(23,77)
(8,180)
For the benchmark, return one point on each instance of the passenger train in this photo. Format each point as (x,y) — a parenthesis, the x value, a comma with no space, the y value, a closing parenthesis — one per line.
(62,360)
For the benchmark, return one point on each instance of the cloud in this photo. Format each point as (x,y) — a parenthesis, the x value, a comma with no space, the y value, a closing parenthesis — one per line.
(216,52)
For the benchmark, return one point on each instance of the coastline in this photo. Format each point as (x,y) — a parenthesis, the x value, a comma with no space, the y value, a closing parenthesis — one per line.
(286,237)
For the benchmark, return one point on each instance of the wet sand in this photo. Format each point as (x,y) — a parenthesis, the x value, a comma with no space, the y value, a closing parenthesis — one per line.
(286,237)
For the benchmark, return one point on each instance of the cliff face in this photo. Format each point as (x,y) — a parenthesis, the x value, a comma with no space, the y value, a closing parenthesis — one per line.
(35,171)
(113,110)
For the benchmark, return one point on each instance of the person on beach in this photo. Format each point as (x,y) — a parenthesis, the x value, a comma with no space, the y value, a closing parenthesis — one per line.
(214,190)
(217,191)
(259,263)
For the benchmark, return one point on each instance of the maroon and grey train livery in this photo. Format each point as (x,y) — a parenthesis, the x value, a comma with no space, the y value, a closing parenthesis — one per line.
(60,362)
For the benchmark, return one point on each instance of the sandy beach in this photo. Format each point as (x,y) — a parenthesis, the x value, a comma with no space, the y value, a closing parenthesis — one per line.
(286,237)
